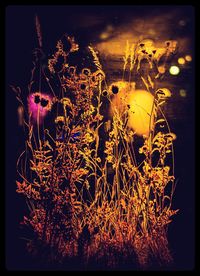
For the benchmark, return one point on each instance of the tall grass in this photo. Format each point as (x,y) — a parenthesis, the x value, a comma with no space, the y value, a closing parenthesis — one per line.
(92,193)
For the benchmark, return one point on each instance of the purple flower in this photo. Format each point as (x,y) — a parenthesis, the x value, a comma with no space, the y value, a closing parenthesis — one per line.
(39,105)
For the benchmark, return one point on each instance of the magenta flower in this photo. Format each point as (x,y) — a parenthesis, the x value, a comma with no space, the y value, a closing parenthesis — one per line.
(39,105)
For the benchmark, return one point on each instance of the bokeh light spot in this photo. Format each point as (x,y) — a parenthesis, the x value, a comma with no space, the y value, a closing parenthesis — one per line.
(141,103)
(174,70)
(104,35)
(181,61)
(161,69)
(182,23)
(183,93)
(188,58)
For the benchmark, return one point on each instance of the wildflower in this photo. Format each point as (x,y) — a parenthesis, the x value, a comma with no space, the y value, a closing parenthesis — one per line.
(39,103)
(111,133)
(83,86)
(160,178)
(79,173)
(86,152)
(66,102)
(60,119)
(109,158)
(104,93)
(72,70)
(115,89)
(109,147)
(146,168)
(98,159)
(144,149)
(86,71)
(98,117)
(74,45)
(88,138)
(88,112)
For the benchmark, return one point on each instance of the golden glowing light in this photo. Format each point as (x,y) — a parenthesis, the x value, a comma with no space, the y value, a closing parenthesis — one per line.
(161,69)
(104,35)
(120,99)
(181,61)
(188,58)
(138,104)
(140,112)
(174,70)
(183,93)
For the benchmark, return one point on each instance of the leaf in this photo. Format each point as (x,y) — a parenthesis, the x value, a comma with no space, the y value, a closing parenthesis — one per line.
(160,121)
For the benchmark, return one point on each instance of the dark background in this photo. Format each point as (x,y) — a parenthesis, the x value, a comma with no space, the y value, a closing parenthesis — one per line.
(80,22)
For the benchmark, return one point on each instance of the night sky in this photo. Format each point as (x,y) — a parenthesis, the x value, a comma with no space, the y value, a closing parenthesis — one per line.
(87,23)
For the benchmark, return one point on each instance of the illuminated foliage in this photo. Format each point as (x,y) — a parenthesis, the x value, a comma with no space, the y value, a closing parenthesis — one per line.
(92,193)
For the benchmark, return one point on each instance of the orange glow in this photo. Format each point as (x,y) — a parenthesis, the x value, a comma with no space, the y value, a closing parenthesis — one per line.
(121,99)
(140,103)
(104,35)
(140,112)
(161,69)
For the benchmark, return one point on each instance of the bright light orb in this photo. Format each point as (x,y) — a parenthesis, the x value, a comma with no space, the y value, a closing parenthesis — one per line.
(138,104)
(174,70)
(188,58)
(181,61)
(161,69)
(140,112)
